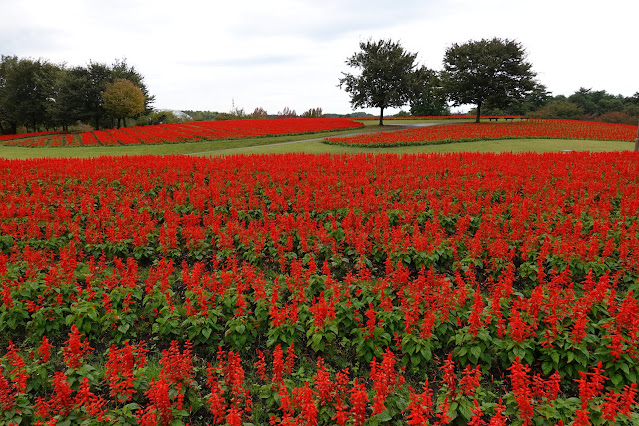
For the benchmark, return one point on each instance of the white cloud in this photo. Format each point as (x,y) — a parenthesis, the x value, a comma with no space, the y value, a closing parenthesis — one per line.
(204,54)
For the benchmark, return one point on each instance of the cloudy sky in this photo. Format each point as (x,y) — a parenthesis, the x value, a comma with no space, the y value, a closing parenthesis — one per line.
(207,55)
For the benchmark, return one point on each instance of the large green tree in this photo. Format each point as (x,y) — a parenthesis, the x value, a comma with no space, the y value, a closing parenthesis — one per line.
(493,72)
(69,103)
(26,89)
(386,79)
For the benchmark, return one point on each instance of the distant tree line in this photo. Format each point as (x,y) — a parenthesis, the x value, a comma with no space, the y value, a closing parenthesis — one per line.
(258,112)
(39,95)
(588,104)
(492,74)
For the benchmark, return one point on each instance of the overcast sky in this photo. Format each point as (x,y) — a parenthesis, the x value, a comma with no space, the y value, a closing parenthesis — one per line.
(205,55)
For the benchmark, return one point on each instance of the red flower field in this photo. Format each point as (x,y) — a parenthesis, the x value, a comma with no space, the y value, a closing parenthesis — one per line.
(466,132)
(183,132)
(331,289)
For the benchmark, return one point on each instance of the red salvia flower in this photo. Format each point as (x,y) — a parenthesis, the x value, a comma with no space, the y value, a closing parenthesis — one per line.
(323,384)
(610,407)
(160,400)
(498,418)
(474,320)
(261,365)
(420,407)
(359,399)
(290,359)
(7,398)
(628,398)
(450,379)
(521,389)
(341,414)
(177,366)
(278,365)
(476,419)
(470,380)
(19,372)
(44,350)
(76,348)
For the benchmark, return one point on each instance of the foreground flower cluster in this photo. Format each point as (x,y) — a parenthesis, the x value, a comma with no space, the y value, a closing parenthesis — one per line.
(299,289)
(183,132)
(467,132)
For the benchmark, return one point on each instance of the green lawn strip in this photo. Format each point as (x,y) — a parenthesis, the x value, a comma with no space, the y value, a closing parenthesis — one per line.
(433,142)
(500,145)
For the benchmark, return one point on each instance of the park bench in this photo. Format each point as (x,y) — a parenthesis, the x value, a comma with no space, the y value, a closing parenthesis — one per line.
(497,118)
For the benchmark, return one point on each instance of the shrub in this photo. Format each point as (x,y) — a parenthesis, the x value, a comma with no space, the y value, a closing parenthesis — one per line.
(559,109)
(617,117)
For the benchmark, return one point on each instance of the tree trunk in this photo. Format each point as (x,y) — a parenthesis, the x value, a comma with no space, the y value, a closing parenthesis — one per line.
(118,122)
(123,121)
(381,116)
(14,127)
(637,140)
(478,112)
(97,123)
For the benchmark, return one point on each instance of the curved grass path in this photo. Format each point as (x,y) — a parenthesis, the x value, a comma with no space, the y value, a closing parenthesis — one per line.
(188,148)
(312,143)
(501,145)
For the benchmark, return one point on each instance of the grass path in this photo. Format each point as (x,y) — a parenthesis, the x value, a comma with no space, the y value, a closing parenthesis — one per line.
(12,152)
(507,145)
(388,128)
(312,143)
(191,148)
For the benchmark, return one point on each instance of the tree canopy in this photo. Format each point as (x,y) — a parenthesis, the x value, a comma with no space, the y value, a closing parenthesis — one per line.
(386,79)
(26,86)
(493,72)
(37,93)
(427,96)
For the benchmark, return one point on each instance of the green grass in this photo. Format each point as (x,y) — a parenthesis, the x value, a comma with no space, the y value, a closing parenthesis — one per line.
(190,148)
(11,152)
(507,145)
(311,143)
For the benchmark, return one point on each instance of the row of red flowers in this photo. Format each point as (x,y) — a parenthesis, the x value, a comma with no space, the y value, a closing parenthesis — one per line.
(233,391)
(30,135)
(505,279)
(184,132)
(465,132)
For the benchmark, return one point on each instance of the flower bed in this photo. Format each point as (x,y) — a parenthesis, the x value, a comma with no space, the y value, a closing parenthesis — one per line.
(468,132)
(192,132)
(320,289)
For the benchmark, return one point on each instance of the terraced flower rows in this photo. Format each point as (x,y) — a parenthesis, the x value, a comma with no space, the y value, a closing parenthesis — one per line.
(300,289)
(184,132)
(468,132)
